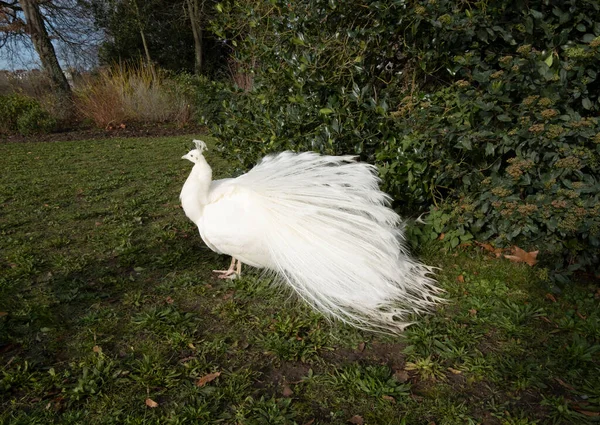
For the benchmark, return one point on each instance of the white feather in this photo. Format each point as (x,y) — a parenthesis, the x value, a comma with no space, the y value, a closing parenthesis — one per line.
(323,225)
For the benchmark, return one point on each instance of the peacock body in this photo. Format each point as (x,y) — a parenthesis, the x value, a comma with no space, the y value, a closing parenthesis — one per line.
(323,226)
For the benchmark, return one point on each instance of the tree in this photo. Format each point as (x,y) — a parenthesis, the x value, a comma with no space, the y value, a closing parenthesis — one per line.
(35,28)
(148,29)
(175,33)
(140,23)
(197,14)
(50,27)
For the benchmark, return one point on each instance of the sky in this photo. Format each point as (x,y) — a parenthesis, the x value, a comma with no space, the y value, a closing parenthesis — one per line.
(28,61)
(20,54)
(27,58)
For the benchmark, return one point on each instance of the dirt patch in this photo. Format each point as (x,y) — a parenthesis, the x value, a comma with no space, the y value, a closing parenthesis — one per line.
(381,353)
(130,130)
(287,373)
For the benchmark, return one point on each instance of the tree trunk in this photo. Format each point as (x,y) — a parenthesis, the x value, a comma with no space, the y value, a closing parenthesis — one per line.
(195,12)
(44,48)
(143,35)
(148,58)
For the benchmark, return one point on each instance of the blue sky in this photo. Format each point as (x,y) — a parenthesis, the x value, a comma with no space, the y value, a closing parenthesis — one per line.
(25,59)
(76,26)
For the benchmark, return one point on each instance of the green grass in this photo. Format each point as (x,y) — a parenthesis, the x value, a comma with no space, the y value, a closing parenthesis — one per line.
(107,300)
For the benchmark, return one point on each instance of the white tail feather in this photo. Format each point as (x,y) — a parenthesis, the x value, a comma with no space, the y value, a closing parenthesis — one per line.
(333,238)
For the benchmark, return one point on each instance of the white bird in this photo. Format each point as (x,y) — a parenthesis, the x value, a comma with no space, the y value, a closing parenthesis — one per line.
(322,224)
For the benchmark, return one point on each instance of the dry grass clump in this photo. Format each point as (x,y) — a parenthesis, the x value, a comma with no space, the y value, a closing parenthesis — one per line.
(136,93)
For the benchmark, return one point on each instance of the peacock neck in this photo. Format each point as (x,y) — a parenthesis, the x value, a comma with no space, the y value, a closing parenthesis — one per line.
(195,192)
(202,174)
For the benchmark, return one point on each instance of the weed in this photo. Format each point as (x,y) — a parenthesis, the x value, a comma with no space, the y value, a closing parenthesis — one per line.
(373,381)
(427,369)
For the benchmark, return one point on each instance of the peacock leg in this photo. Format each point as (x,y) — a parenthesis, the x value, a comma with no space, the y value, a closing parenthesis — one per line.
(225,274)
(239,268)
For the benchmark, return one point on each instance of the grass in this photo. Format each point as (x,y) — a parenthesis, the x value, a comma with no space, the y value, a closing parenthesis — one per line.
(108,307)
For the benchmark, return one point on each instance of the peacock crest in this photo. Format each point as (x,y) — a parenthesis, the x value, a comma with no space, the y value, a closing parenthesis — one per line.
(200,145)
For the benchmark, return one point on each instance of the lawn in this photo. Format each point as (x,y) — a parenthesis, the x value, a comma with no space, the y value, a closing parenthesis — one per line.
(109,314)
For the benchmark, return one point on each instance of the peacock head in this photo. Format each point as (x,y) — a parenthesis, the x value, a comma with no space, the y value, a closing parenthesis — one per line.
(195,154)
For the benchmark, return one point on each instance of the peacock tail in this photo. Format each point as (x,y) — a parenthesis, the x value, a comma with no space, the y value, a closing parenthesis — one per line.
(332,237)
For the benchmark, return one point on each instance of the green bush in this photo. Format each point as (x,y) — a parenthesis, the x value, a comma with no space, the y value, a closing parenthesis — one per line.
(24,115)
(511,150)
(207,96)
(485,113)
(509,157)
(12,106)
(35,120)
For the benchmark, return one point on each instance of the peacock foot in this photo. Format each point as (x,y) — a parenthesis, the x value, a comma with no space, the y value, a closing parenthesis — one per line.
(226,274)
(232,272)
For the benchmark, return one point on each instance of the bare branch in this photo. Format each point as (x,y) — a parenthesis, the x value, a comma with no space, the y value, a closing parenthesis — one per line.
(10,5)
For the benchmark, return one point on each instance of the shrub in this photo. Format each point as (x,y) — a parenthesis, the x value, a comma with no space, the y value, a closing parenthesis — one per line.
(206,95)
(511,149)
(100,99)
(485,112)
(35,120)
(23,114)
(131,93)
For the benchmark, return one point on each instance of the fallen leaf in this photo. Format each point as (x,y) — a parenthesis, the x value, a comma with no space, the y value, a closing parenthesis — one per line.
(361,347)
(3,313)
(486,246)
(187,359)
(545,319)
(460,278)
(151,403)
(581,316)
(442,236)
(454,371)
(169,300)
(564,384)
(473,312)
(586,412)
(207,378)
(287,391)
(389,398)
(97,349)
(490,248)
(551,297)
(522,256)
(312,421)
(357,420)
(192,346)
